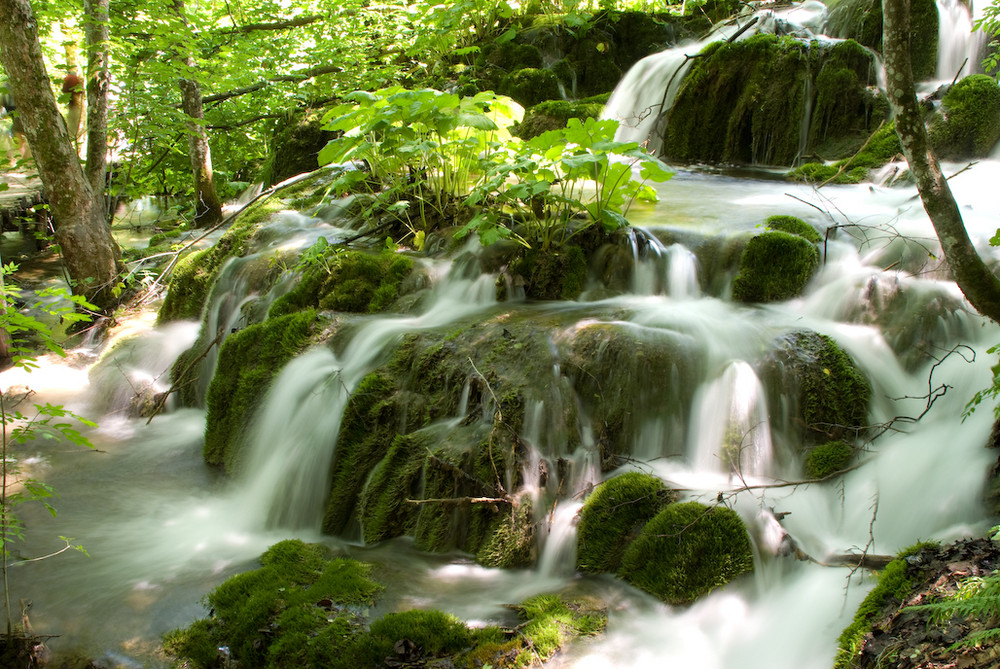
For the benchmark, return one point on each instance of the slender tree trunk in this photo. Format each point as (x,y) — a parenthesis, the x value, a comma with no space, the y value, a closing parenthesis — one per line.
(971,274)
(96,31)
(91,255)
(208,207)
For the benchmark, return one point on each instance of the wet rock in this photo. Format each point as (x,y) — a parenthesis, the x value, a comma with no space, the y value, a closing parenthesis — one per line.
(968,125)
(774,266)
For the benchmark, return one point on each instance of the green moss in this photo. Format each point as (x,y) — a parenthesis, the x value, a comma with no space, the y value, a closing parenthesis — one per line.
(774,266)
(828,394)
(553,115)
(882,147)
(366,433)
(793,226)
(554,274)
(843,106)
(686,551)
(512,56)
(352,281)
(530,85)
(828,458)
(894,585)
(198,643)
(384,510)
(613,515)
(511,541)
(194,275)
(277,615)
(862,20)
(294,147)
(970,124)
(248,362)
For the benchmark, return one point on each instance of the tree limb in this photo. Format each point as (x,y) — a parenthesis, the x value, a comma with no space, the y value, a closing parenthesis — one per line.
(301,76)
(277,25)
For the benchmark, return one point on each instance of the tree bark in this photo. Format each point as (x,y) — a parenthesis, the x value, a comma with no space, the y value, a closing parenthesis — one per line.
(90,253)
(973,277)
(208,207)
(96,31)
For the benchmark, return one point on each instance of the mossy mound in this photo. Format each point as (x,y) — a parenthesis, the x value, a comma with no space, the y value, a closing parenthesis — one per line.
(663,369)
(861,20)
(882,147)
(553,115)
(816,382)
(295,146)
(793,226)
(827,459)
(744,102)
(531,85)
(306,608)
(440,421)
(613,515)
(774,266)
(248,362)
(969,125)
(686,551)
(342,280)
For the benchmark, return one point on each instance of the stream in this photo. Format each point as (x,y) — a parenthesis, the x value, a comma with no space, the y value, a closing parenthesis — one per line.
(161,529)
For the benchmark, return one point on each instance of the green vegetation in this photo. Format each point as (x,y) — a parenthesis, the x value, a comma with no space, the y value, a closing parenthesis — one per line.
(686,551)
(511,538)
(862,20)
(248,362)
(828,458)
(337,279)
(774,266)
(613,516)
(307,608)
(554,114)
(195,273)
(793,226)
(970,124)
(743,102)
(882,147)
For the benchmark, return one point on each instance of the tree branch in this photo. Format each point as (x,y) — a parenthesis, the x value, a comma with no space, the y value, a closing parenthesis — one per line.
(277,25)
(301,76)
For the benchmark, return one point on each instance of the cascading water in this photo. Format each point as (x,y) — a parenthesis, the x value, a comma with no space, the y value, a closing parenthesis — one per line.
(162,530)
(959,47)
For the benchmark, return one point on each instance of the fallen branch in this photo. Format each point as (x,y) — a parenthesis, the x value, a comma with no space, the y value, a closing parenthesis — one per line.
(844,165)
(462,501)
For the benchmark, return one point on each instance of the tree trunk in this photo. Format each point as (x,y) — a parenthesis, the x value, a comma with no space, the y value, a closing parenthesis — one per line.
(208,207)
(90,253)
(96,30)
(971,274)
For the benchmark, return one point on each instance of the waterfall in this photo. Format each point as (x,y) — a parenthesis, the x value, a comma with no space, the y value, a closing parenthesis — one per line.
(958,45)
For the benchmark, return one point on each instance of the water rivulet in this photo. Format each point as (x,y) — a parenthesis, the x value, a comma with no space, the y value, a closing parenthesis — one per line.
(451,437)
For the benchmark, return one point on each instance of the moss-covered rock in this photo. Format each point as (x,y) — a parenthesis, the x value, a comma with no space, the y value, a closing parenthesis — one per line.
(816,383)
(826,459)
(345,280)
(774,266)
(248,362)
(384,511)
(304,607)
(882,147)
(612,517)
(686,551)
(744,102)
(531,85)
(554,274)
(969,125)
(295,146)
(553,115)
(195,273)
(511,541)
(793,226)
(861,20)
(662,368)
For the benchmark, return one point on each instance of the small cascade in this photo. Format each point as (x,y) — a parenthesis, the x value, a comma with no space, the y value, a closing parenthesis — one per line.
(558,555)
(682,273)
(959,47)
(287,462)
(733,432)
(662,270)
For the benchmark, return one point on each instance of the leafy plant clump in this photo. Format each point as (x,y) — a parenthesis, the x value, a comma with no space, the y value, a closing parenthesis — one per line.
(613,515)
(686,551)
(774,266)
(306,608)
